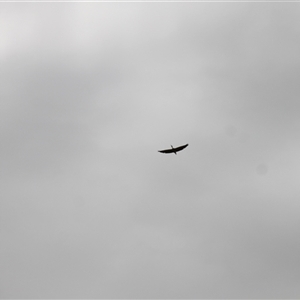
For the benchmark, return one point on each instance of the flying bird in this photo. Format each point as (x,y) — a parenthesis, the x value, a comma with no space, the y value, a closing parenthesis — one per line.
(173,150)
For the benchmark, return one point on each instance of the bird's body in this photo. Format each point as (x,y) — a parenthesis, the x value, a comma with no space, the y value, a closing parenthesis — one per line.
(173,150)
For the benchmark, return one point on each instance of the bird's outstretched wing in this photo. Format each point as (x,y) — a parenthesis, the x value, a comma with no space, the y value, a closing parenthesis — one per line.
(173,150)
(180,147)
(166,151)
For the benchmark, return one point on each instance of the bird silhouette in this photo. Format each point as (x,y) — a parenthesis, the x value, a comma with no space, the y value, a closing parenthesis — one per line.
(173,150)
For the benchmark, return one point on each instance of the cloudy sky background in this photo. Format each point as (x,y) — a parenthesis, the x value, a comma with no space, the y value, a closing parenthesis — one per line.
(91,91)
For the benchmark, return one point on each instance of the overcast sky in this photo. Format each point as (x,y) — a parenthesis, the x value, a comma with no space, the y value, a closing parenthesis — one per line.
(91,91)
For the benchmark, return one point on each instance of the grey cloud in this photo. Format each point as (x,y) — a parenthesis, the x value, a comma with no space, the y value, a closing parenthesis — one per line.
(91,91)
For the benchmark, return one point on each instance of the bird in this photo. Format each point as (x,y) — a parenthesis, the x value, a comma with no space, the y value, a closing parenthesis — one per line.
(173,150)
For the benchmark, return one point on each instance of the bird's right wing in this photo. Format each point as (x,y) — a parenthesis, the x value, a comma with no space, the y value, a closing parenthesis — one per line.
(181,147)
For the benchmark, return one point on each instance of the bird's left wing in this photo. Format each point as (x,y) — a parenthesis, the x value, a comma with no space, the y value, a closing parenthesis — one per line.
(166,151)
